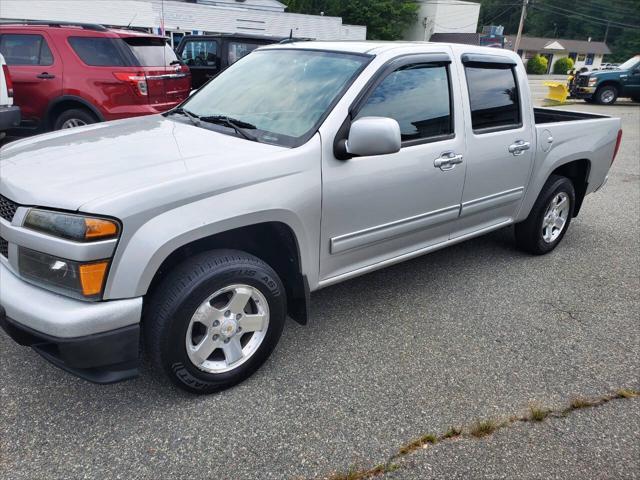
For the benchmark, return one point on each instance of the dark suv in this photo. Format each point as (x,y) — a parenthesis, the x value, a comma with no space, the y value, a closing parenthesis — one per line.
(66,75)
(208,55)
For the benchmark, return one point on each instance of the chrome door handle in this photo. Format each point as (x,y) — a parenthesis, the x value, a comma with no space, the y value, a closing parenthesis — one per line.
(447,161)
(519,147)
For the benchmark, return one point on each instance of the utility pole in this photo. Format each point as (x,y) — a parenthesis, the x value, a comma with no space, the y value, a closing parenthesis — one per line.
(523,15)
(606,32)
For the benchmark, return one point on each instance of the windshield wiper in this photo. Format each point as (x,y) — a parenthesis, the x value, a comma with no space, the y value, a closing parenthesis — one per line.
(195,119)
(238,125)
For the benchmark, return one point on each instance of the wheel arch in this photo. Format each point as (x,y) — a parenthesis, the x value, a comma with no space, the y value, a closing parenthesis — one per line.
(274,242)
(66,102)
(578,172)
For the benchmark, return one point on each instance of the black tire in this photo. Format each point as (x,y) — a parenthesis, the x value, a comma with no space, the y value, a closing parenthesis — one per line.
(173,303)
(529,233)
(606,95)
(80,115)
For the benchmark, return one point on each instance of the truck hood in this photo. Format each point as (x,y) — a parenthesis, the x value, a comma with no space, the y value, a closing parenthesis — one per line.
(605,74)
(68,169)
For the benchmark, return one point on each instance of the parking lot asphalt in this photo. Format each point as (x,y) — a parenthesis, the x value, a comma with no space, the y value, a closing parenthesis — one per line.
(479,330)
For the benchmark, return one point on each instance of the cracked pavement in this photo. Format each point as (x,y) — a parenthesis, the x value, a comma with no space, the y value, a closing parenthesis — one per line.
(479,330)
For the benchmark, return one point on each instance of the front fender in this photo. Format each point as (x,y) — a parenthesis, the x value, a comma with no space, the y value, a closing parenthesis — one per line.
(137,264)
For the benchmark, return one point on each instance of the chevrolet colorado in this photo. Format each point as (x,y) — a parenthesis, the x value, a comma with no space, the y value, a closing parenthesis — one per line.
(189,236)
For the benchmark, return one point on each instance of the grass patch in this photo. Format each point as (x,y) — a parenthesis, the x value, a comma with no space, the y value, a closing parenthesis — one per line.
(538,414)
(578,403)
(483,428)
(354,474)
(452,433)
(418,443)
(626,393)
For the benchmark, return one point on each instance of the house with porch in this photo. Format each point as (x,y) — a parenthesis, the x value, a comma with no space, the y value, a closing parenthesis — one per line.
(584,53)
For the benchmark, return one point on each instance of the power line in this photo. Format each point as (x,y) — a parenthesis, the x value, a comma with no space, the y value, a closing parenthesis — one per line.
(584,17)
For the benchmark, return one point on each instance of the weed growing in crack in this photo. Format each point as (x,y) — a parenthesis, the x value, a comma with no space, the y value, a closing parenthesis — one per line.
(538,414)
(418,443)
(452,432)
(483,428)
(578,403)
(626,393)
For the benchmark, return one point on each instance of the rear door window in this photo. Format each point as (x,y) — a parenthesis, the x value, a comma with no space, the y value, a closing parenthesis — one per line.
(237,50)
(152,52)
(494,98)
(200,53)
(23,49)
(101,51)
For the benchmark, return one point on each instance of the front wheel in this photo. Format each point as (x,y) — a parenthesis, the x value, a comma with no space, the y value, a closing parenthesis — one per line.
(549,218)
(215,320)
(606,95)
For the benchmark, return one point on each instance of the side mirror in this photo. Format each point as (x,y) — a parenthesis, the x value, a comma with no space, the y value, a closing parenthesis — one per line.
(370,136)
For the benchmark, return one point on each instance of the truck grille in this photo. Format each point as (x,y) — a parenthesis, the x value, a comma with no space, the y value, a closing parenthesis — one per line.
(7,208)
(4,247)
(582,80)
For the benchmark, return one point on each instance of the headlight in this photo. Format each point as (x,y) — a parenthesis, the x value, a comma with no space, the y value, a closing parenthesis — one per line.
(70,226)
(84,280)
(81,280)
(593,81)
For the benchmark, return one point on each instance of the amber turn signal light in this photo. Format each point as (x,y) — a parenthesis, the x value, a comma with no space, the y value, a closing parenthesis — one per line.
(99,228)
(92,277)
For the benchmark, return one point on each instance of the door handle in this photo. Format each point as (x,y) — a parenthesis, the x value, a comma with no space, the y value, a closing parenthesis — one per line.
(46,76)
(519,147)
(447,161)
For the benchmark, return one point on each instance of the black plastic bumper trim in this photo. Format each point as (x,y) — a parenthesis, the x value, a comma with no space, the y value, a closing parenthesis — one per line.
(106,357)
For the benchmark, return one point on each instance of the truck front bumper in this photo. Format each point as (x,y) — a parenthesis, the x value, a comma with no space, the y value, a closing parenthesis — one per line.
(582,92)
(97,341)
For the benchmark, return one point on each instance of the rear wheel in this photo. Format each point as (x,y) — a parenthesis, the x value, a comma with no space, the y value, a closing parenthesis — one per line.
(549,218)
(74,117)
(606,95)
(215,320)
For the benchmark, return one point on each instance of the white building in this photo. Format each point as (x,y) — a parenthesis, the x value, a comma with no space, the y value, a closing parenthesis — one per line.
(444,16)
(267,17)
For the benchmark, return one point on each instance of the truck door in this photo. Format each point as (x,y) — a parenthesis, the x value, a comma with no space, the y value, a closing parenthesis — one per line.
(631,82)
(382,207)
(500,142)
(36,71)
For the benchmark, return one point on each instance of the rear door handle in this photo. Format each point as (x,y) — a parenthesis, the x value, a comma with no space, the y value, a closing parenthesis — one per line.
(519,147)
(447,161)
(46,76)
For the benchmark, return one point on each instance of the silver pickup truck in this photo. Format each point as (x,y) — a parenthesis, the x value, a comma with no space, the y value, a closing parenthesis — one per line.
(190,236)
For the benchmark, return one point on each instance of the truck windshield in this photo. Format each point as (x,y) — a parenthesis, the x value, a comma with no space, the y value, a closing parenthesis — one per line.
(630,63)
(283,93)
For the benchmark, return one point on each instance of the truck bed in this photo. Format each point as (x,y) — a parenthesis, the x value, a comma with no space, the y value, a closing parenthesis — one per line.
(550,115)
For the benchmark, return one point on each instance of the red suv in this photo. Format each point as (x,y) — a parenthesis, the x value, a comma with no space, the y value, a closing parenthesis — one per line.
(66,75)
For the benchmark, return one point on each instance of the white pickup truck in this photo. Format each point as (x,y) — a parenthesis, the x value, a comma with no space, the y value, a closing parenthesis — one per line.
(194,233)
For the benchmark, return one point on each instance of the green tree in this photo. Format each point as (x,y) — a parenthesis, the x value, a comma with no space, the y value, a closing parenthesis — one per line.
(385,19)
(577,20)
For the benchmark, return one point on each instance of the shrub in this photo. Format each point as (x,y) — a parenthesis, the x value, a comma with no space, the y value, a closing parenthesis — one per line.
(562,66)
(537,65)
